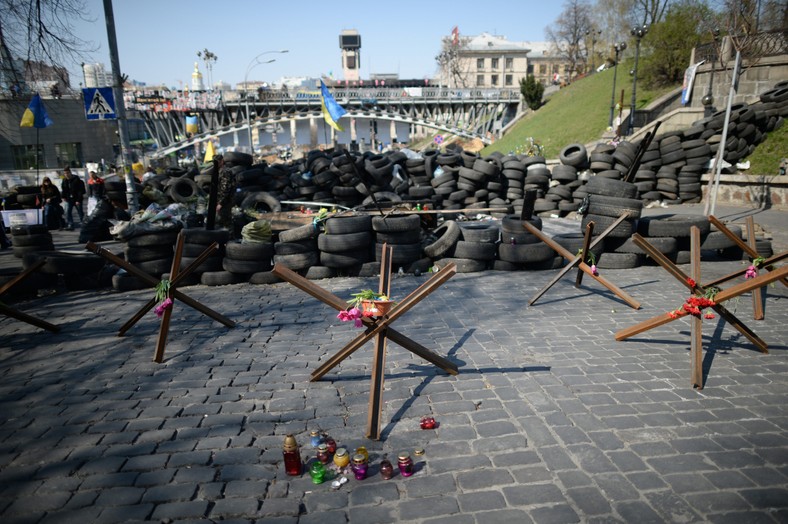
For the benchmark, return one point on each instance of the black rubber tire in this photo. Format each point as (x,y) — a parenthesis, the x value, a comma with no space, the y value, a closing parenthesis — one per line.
(155,267)
(127,282)
(484,232)
(142,254)
(718,240)
(619,260)
(183,190)
(464,265)
(601,223)
(221,278)
(299,233)
(573,242)
(672,225)
(264,277)
(245,267)
(519,238)
(348,224)
(609,187)
(614,207)
(396,223)
(513,224)
(474,250)
(162,238)
(404,237)
(205,236)
(31,229)
(525,253)
(192,280)
(294,248)
(344,260)
(447,235)
(298,261)
(574,155)
(195,250)
(40,240)
(664,245)
(257,199)
(346,242)
(209,264)
(262,251)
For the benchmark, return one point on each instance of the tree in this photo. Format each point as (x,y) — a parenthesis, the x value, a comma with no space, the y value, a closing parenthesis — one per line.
(41,32)
(209,59)
(532,92)
(649,12)
(744,20)
(669,43)
(453,69)
(568,37)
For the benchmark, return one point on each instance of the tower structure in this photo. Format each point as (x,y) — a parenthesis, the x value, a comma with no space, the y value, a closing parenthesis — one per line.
(350,43)
(197,84)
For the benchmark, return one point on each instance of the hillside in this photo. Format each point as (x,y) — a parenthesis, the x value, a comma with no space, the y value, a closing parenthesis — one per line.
(577,113)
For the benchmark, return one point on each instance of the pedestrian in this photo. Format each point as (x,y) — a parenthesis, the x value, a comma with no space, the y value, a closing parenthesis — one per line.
(95,191)
(50,200)
(73,192)
(5,243)
(225,193)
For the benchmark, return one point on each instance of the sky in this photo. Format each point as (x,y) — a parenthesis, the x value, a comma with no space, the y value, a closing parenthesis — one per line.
(158,40)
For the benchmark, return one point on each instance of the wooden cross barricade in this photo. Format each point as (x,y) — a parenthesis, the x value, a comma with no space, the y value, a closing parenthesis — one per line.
(176,277)
(578,260)
(695,287)
(749,248)
(9,311)
(378,328)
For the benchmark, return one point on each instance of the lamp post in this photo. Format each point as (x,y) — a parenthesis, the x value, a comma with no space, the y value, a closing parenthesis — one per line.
(255,62)
(638,33)
(619,47)
(708,99)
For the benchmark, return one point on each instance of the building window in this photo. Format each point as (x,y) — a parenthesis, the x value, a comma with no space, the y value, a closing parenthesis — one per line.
(508,80)
(480,64)
(25,156)
(555,68)
(542,69)
(509,64)
(530,69)
(479,80)
(69,154)
(494,80)
(494,63)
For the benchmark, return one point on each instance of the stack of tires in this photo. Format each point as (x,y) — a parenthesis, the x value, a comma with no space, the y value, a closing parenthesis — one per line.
(475,248)
(520,250)
(30,238)
(667,185)
(511,183)
(444,185)
(297,248)
(403,234)
(344,191)
(537,177)
(151,252)
(562,187)
(689,183)
(25,196)
(660,230)
(440,242)
(609,199)
(97,226)
(242,260)
(195,241)
(347,243)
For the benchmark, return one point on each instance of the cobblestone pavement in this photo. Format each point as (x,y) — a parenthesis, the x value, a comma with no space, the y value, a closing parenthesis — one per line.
(549,420)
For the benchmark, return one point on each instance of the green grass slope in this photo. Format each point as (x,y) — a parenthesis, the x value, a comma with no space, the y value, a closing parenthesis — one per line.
(765,160)
(576,113)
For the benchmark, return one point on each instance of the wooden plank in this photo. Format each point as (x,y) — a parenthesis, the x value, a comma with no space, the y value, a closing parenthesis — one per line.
(164,327)
(757,294)
(696,342)
(584,250)
(379,356)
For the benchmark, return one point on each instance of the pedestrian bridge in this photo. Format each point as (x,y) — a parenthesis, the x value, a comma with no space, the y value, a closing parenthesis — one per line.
(468,113)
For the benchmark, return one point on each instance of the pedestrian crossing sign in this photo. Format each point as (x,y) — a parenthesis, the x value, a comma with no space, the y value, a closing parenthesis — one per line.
(99,103)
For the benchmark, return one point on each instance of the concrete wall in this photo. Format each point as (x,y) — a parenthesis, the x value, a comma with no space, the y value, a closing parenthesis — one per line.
(69,126)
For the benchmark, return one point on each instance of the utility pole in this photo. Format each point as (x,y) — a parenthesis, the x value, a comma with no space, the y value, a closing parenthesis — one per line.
(120,108)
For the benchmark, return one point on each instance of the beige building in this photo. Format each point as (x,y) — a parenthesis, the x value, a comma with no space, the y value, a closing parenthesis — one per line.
(492,61)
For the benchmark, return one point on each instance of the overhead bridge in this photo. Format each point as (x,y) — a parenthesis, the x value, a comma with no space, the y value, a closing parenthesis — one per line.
(468,113)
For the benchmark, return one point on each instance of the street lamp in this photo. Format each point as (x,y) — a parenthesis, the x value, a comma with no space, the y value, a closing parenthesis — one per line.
(619,47)
(638,33)
(708,99)
(255,62)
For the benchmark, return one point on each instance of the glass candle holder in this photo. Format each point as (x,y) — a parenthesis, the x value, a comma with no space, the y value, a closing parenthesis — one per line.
(359,466)
(427,423)
(317,471)
(361,450)
(405,464)
(341,458)
(332,445)
(322,453)
(314,438)
(386,469)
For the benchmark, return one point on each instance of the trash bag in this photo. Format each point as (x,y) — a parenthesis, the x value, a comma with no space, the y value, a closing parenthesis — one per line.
(256,232)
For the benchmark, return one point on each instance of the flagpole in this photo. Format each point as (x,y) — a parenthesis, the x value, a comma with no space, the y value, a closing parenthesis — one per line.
(38,158)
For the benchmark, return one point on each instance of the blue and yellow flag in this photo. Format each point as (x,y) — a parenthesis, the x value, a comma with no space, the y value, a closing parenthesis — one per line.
(192,124)
(35,115)
(331,110)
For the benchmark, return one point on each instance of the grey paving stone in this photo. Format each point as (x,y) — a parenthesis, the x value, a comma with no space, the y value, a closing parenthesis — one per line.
(554,514)
(533,494)
(234,507)
(590,500)
(429,507)
(179,510)
(638,511)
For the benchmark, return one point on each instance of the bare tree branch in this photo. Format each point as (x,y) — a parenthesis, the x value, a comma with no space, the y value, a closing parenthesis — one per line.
(568,36)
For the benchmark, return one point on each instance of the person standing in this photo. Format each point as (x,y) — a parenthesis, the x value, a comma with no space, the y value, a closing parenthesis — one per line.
(224,195)
(73,192)
(95,191)
(50,197)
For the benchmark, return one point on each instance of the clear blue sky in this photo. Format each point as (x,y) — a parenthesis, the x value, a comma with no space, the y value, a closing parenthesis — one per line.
(158,40)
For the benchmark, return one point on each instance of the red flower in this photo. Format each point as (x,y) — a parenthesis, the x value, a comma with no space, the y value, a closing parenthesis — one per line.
(709,316)
(691,282)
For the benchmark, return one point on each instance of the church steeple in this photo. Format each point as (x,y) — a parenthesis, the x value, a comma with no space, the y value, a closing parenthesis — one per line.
(197,84)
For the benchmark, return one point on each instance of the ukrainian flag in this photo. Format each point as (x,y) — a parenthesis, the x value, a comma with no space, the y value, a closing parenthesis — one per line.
(331,110)
(192,124)
(35,115)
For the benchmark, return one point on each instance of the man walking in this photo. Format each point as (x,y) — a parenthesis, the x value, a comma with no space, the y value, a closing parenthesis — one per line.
(73,192)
